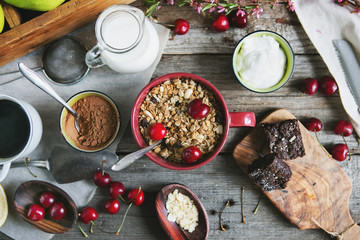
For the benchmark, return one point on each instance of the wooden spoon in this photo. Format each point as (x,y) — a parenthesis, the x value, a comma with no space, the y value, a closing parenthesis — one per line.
(28,193)
(173,230)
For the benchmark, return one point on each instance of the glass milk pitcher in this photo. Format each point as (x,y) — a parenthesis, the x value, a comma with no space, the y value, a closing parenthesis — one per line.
(127,40)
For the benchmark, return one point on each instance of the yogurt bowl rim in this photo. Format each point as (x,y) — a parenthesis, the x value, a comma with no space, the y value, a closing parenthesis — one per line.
(288,52)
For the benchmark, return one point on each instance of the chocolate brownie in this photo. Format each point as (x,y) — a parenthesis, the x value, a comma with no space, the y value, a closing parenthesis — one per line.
(270,172)
(284,138)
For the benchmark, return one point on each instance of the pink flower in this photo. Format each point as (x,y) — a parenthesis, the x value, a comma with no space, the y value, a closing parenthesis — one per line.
(170,2)
(221,9)
(256,11)
(240,12)
(291,5)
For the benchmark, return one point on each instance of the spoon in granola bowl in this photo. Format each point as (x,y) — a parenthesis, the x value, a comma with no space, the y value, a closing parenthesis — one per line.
(132,157)
(43,85)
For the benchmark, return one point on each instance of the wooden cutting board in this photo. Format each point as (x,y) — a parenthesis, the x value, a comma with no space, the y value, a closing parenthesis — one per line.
(317,195)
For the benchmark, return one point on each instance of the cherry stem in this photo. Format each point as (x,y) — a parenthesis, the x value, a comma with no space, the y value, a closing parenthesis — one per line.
(257,206)
(346,146)
(102,167)
(91,227)
(122,223)
(122,199)
(27,166)
(242,204)
(328,154)
(220,215)
(82,231)
(93,224)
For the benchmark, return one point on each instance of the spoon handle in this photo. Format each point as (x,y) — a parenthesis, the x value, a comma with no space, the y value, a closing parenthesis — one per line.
(43,85)
(34,163)
(132,157)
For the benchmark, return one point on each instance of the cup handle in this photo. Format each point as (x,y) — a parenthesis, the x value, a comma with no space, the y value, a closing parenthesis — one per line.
(4,171)
(242,119)
(93,57)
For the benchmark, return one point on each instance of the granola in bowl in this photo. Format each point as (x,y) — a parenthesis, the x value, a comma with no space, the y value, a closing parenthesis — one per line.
(167,103)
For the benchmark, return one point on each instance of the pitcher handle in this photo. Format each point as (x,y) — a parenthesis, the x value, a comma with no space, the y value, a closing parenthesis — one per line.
(4,171)
(93,57)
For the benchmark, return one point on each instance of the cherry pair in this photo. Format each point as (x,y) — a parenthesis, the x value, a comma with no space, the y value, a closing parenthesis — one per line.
(327,86)
(222,23)
(47,200)
(338,151)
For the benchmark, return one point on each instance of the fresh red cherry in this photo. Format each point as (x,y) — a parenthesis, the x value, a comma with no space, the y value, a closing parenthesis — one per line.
(36,212)
(239,21)
(47,199)
(112,206)
(116,189)
(197,109)
(136,196)
(157,131)
(343,128)
(339,151)
(314,124)
(191,154)
(181,26)
(220,24)
(88,214)
(57,211)
(309,86)
(101,178)
(327,86)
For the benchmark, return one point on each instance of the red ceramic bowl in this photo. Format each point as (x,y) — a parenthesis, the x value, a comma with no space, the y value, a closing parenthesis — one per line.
(233,119)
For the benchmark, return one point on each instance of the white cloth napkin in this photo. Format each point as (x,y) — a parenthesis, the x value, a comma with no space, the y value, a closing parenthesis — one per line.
(323,22)
(122,88)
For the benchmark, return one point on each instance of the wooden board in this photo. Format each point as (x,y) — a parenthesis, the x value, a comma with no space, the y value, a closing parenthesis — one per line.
(317,195)
(49,26)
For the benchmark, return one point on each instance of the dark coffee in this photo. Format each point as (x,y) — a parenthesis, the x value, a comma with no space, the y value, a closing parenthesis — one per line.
(14,129)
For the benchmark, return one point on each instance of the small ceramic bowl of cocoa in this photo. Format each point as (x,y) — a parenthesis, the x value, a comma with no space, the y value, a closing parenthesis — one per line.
(99,121)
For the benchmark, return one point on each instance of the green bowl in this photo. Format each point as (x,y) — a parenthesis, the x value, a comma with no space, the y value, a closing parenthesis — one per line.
(290,60)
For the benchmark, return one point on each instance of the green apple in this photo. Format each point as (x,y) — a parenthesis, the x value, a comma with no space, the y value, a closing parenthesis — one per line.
(2,19)
(36,5)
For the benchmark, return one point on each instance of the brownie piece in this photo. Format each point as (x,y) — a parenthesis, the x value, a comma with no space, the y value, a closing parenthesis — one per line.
(284,138)
(270,172)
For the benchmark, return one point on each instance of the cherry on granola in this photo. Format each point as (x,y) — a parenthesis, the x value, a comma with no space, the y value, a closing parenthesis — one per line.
(197,109)
(191,154)
(157,131)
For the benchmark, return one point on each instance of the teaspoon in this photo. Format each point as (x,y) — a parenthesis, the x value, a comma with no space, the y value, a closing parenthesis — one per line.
(38,81)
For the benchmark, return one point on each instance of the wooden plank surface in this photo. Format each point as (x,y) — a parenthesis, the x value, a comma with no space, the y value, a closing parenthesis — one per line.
(208,54)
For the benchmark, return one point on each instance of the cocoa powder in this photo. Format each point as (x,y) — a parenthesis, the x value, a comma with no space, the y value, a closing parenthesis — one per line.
(98,123)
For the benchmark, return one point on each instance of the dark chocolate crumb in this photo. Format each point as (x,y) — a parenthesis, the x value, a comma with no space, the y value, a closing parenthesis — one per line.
(144,122)
(226,227)
(213,212)
(154,100)
(177,145)
(218,119)
(314,183)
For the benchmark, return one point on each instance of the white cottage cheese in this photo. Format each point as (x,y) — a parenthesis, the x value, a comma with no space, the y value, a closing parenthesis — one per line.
(182,210)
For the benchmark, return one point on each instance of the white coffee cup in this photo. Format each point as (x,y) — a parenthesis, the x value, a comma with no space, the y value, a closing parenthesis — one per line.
(31,138)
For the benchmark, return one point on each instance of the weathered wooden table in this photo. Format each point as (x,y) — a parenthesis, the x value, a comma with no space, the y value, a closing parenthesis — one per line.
(208,54)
